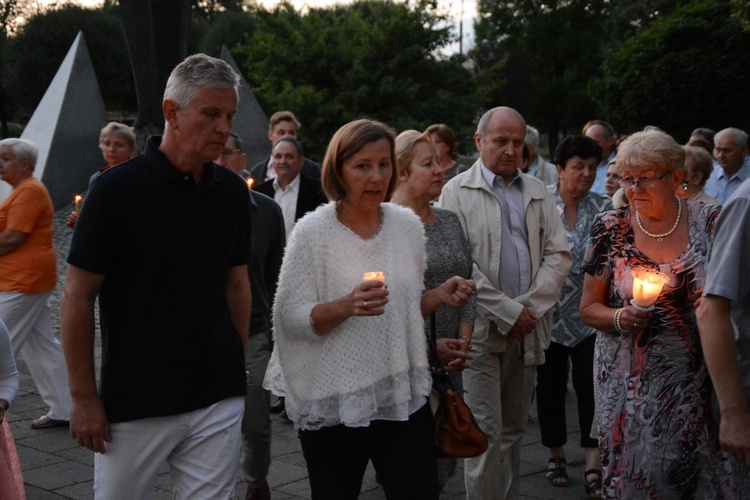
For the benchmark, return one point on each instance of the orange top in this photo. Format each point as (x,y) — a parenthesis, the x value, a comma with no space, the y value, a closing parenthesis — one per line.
(30,268)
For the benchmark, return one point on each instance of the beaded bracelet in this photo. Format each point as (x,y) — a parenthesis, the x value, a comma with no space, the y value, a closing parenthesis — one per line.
(618,327)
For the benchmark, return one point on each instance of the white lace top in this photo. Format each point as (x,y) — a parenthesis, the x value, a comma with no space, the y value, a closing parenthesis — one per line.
(367,368)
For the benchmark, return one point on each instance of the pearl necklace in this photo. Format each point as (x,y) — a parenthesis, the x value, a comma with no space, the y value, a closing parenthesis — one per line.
(660,237)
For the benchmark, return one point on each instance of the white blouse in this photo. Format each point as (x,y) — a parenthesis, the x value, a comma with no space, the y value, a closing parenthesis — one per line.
(366,368)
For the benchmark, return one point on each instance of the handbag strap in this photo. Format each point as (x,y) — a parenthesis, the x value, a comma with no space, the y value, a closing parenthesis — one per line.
(435,365)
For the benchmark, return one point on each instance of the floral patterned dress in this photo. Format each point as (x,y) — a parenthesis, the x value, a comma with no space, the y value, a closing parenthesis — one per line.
(656,435)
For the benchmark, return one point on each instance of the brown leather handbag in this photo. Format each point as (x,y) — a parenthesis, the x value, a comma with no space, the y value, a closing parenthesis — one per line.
(457,434)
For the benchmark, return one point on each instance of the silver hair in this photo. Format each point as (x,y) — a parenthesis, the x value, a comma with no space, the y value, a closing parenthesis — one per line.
(199,71)
(739,136)
(532,137)
(22,149)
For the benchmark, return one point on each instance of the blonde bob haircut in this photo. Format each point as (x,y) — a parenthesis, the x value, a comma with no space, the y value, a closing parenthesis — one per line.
(347,142)
(650,149)
(406,141)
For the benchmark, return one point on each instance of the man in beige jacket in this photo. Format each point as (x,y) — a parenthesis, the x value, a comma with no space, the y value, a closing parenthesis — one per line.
(521,258)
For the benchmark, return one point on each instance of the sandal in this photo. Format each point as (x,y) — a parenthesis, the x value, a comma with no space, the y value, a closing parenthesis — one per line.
(593,488)
(556,473)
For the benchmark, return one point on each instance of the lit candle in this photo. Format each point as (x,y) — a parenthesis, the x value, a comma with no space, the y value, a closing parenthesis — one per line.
(647,285)
(375,276)
(78,202)
(250,183)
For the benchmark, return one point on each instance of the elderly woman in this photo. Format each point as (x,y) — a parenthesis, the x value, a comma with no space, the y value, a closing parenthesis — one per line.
(351,354)
(448,253)
(117,142)
(697,170)
(28,274)
(656,436)
(445,142)
(577,158)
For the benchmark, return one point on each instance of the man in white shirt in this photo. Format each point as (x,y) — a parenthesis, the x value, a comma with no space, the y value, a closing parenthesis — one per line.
(280,124)
(295,192)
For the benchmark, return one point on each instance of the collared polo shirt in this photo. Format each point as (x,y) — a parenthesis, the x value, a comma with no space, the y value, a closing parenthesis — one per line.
(164,246)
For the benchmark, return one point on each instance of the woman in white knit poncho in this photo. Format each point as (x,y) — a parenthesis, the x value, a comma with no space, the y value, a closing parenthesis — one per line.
(351,355)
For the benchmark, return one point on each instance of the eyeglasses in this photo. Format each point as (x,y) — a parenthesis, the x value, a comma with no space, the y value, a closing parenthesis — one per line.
(228,154)
(643,182)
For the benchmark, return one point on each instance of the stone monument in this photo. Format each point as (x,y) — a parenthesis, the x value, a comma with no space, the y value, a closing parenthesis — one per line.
(65,127)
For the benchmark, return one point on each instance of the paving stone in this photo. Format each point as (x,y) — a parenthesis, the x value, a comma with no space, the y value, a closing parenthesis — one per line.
(79,491)
(34,493)
(31,458)
(61,474)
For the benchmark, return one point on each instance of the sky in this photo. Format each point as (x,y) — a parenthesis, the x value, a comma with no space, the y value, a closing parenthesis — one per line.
(454,6)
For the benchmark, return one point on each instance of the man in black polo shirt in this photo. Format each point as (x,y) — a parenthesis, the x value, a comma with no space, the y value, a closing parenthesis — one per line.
(164,242)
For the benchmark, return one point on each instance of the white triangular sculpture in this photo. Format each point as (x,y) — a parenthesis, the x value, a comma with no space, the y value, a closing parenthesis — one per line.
(65,127)
(250,122)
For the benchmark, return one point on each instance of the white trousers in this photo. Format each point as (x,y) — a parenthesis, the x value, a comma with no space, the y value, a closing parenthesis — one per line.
(498,390)
(202,448)
(27,316)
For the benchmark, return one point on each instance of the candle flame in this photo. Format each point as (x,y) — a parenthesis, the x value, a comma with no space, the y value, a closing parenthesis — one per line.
(647,285)
(250,183)
(374,276)
(78,198)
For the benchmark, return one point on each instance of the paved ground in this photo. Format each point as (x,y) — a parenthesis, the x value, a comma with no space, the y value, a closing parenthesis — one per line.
(55,467)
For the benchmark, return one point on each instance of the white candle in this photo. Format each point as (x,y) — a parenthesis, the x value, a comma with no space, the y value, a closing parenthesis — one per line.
(77,200)
(375,276)
(647,285)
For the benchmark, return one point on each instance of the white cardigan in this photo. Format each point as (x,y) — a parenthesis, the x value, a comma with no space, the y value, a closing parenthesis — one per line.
(367,368)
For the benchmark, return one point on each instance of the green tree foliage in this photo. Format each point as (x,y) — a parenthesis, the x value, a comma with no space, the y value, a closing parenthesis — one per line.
(229,28)
(537,57)
(372,58)
(34,54)
(626,19)
(687,70)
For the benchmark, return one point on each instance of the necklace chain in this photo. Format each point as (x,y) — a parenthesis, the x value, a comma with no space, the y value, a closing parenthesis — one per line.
(660,237)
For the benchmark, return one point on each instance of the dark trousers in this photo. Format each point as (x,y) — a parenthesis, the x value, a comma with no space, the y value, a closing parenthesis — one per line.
(403,454)
(552,384)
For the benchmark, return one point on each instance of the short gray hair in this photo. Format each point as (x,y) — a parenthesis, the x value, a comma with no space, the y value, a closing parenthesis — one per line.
(199,71)
(739,136)
(22,149)
(532,137)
